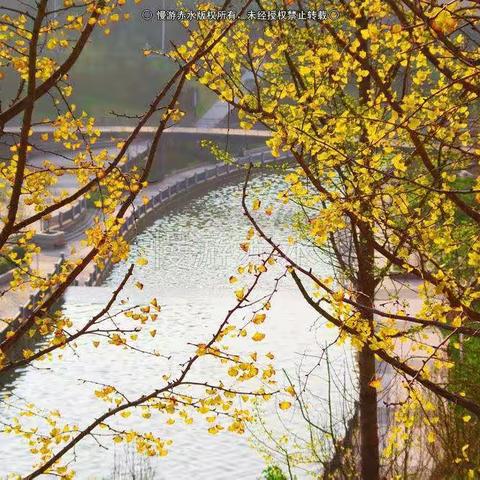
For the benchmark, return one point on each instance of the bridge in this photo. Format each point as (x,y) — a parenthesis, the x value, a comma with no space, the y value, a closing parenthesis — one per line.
(178,142)
(120,130)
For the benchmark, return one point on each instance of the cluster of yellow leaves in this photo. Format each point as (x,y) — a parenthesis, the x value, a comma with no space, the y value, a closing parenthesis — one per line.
(364,152)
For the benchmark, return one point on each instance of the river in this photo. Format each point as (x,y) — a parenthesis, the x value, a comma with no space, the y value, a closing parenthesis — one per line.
(192,250)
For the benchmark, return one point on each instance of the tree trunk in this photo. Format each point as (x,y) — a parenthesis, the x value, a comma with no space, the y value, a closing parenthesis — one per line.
(366,282)
(369,448)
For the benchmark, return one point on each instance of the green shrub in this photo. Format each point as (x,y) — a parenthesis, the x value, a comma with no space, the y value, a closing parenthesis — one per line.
(273,473)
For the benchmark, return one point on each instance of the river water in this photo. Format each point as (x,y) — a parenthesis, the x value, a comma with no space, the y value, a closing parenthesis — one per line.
(192,251)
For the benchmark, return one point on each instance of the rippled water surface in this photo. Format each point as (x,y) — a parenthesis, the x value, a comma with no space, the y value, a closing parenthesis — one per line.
(192,251)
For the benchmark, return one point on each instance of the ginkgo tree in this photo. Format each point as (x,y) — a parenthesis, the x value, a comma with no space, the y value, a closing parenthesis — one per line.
(40,43)
(378,107)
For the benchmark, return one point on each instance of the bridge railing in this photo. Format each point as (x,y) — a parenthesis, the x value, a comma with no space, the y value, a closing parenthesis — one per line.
(63,218)
(32,303)
(190,121)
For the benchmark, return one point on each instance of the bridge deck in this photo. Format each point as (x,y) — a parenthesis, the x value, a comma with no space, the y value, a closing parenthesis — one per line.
(152,130)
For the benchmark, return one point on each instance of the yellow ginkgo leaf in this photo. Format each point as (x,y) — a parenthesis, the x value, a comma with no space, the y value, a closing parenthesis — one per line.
(245,246)
(259,318)
(375,383)
(142,261)
(397,28)
(258,336)
(284,405)
(240,294)
(27,353)
(290,390)
(398,163)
